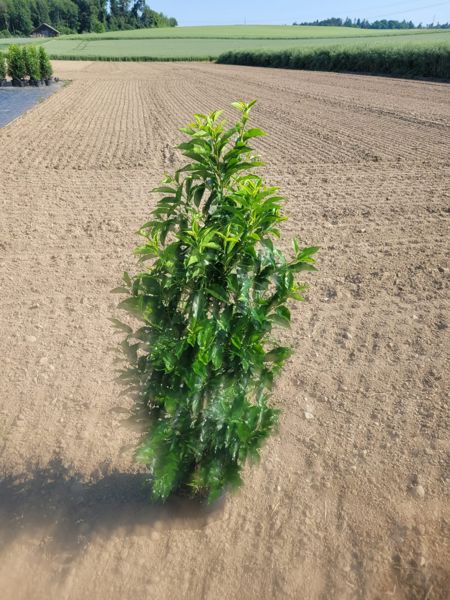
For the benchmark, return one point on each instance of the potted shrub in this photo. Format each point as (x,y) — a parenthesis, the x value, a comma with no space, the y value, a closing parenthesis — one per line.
(45,66)
(204,360)
(32,64)
(3,69)
(16,65)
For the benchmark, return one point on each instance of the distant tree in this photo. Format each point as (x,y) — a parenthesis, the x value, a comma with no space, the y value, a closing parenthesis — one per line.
(147,18)
(20,17)
(64,13)
(39,12)
(100,12)
(97,26)
(85,15)
(114,8)
(365,24)
(123,7)
(137,8)
(4,16)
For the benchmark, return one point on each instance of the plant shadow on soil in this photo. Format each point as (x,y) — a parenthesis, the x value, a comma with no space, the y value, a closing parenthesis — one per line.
(57,504)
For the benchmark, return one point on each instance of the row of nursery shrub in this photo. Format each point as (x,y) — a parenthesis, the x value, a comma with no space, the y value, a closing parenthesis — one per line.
(93,57)
(25,64)
(411,61)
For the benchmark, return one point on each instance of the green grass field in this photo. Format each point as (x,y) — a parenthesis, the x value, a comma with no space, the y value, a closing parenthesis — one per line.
(5,42)
(208,43)
(244,32)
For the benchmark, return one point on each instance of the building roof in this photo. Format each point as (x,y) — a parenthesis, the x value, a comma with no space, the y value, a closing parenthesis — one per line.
(45,25)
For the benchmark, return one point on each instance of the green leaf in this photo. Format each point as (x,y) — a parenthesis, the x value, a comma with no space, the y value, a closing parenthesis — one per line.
(279,354)
(193,259)
(307,252)
(281,317)
(218,292)
(198,194)
(254,132)
(298,266)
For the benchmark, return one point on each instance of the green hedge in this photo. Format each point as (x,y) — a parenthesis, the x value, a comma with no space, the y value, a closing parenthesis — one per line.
(407,61)
(26,62)
(132,58)
(3,68)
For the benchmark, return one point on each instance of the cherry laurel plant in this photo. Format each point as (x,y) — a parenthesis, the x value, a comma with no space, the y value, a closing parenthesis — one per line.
(203,361)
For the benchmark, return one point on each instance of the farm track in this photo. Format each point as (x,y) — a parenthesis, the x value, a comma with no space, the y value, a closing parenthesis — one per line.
(333,510)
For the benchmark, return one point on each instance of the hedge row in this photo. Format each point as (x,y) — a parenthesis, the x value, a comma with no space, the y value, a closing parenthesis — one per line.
(407,61)
(133,58)
(24,63)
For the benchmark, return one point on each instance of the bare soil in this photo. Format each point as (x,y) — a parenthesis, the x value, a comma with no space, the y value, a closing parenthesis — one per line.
(350,499)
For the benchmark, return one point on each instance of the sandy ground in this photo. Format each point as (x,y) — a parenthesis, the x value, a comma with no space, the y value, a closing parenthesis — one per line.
(349,504)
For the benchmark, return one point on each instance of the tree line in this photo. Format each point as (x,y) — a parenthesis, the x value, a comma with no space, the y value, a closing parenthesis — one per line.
(20,17)
(380,24)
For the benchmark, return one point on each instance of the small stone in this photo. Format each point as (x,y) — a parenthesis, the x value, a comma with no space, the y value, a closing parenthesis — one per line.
(347,336)
(31,339)
(43,360)
(308,415)
(419,491)
(34,306)
(421,530)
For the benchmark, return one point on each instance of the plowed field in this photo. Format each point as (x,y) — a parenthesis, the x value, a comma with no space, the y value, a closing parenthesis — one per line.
(351,498)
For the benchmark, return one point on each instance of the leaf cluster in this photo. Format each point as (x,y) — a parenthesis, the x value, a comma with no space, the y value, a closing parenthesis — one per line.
(16,62)
(27,61)
(3,68)
(44,64)
(32,64)
(212,288)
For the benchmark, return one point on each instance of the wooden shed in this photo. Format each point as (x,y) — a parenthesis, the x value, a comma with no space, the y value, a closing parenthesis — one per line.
(44,30)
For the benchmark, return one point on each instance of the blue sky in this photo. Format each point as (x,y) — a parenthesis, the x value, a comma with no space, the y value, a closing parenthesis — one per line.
(231,12)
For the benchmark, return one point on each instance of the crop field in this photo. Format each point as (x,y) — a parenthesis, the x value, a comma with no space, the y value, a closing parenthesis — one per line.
(5,42)
(208,43)
(351,498)
(250,32)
